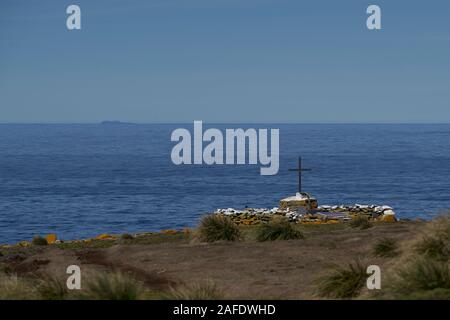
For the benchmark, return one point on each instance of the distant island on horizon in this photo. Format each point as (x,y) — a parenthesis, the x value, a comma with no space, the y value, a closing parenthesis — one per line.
(114,122)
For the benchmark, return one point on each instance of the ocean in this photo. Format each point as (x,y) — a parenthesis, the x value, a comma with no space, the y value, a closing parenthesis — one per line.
(81,180)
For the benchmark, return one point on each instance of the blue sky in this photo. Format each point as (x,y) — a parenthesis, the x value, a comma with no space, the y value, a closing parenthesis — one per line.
(225,61)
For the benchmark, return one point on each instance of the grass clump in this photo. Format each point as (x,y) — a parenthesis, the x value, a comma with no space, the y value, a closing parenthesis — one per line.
(218,227)
(435,242)
(433,247)
(386,248)
(111,286)
(14,288)
(53,289)
(196,291)
(361,223)
(39,241)
(422,279)
(126,236)
(423,271)
(343,282)
(279,229)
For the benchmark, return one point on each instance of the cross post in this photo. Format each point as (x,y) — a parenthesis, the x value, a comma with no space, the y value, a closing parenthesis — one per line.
(299,169)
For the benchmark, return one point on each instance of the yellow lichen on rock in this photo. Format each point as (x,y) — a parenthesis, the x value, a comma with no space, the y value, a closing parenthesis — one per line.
(300,200)
(24,244)
(319,222)
(51,238)
(169,232)
(388,218)
(105,236)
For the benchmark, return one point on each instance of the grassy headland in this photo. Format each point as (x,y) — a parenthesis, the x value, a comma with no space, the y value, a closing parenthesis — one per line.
(221,260)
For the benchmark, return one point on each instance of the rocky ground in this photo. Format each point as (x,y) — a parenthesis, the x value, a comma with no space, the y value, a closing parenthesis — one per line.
(245,269)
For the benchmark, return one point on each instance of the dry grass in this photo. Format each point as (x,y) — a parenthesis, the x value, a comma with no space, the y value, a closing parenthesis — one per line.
(421,279)
(111,286)
(360,222)
(423,270)
(14,288)
(195,291)
(53,289)
(434,247)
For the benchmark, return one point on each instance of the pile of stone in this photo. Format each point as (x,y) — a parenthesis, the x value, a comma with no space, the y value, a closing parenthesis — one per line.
(321,215)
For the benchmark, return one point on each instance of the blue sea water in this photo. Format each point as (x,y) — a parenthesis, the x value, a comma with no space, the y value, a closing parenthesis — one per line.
(82,180)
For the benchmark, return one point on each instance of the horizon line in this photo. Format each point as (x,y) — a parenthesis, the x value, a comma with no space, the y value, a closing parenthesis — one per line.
(119,122)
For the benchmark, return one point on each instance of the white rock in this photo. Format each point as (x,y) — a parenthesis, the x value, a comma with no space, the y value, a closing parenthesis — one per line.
(389,212)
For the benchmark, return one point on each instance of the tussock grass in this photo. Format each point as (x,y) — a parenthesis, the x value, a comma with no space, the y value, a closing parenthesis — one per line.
(435,241)
(343,282)
(433,247)
(386,247)
(434,294)
(425,274)
(39,241)
(423,271)
(278,229)
(110,286)
(196,291)
(126,236)
(14,288)
(422,279)
(218,227)
(360,222)
(53,289)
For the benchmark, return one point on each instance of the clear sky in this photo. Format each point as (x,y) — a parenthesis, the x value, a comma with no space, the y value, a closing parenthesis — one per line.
(225,61)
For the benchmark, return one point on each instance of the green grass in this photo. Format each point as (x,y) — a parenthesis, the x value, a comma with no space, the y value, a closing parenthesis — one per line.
(343,282)
(195,291)
(386,247)
(218,227)
(360,223)
(279,229)
(110,286)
